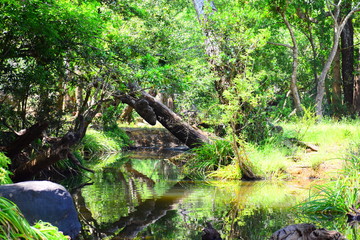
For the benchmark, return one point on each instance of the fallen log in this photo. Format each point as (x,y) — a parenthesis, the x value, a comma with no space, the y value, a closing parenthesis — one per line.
(151,110)
(57,151)
(25,139)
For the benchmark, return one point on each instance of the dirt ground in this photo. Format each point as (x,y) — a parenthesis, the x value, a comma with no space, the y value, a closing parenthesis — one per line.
(326,170)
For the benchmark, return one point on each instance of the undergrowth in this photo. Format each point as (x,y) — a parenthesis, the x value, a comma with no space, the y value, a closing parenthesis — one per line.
(280,152)
(111,140)
(208,158)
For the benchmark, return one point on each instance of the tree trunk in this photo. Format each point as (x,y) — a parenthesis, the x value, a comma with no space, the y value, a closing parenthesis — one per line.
(126,115)
(336,84)
(347,54)
(79,99)
(151,109)
(25,139)
(338,28)
(57,150)
(172,122)
(356,102)
(321,83)
(212,50)
(295,50)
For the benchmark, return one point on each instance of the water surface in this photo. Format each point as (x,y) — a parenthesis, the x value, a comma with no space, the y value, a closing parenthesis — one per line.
(150,199)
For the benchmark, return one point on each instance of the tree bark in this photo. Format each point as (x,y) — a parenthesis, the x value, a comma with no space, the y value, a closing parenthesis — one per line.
(25,139)
(336,84)
(126,115)
(79,99)
(321,83)
(295,51)
(356,102)
(347,54)
(59,150)
(170,120)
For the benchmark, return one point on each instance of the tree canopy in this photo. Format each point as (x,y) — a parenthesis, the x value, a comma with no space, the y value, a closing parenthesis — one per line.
(235,63)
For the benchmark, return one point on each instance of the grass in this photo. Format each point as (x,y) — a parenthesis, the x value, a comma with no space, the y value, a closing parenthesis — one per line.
(100,142)
(336,197)
(276,158)
(208,158)
(333,138)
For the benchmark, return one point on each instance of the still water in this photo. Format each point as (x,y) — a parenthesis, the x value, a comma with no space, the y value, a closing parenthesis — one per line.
(130,198)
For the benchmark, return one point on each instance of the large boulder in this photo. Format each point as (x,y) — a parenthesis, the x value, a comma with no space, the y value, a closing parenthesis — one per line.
(46,201)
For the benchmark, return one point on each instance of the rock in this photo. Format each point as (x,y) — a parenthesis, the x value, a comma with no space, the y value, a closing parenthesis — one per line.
(323,234)
(210,233)
(46,201)
(294,232)
(305,231)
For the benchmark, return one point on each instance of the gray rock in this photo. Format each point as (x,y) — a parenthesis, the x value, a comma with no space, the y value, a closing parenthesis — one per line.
(46,201)
(305,231)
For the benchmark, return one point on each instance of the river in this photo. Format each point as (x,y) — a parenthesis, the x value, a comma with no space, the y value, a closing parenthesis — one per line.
(137,197)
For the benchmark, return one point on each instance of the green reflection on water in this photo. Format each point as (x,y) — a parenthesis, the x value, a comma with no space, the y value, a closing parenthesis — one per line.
(145,199)
(118,189)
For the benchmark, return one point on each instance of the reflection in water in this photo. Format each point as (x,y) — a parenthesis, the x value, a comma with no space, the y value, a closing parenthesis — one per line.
(137,199)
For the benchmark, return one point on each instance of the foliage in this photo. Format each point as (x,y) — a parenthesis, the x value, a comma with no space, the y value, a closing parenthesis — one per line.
(228,172)
(14,226)
(333,198)
(112,140)
(209,157)
(4,172)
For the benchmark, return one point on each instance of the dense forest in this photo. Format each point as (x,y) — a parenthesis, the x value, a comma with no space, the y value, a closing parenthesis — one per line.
(235,67)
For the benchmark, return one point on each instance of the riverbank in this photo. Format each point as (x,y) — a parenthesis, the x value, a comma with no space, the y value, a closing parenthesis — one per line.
(302,150)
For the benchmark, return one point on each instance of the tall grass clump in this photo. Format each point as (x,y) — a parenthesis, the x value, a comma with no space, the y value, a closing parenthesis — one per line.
(14,226)
(339,196)
(109,141)
(209,157)
(221,159)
